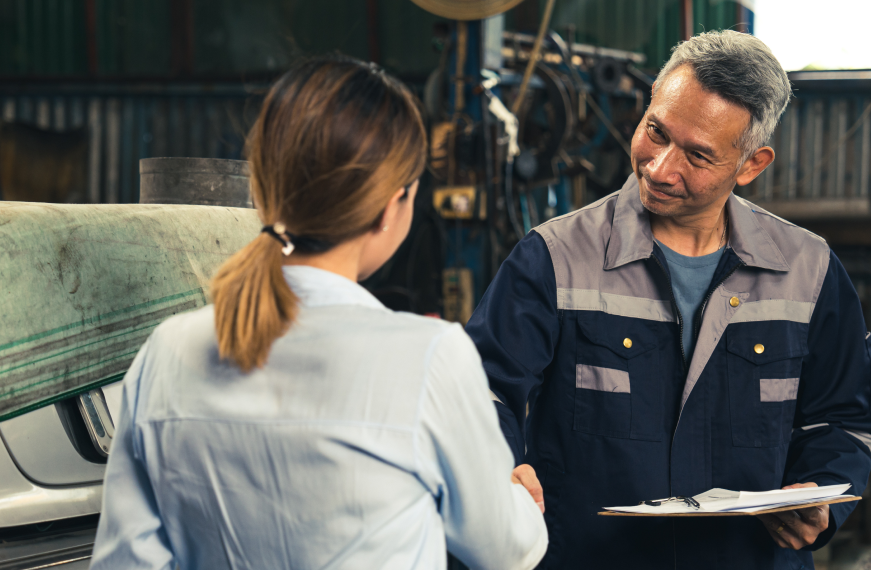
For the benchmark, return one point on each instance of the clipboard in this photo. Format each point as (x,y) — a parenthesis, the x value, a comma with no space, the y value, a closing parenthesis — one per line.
(832,501)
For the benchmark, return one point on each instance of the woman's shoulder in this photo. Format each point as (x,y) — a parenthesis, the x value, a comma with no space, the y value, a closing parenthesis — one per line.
(183,332)
(422,329)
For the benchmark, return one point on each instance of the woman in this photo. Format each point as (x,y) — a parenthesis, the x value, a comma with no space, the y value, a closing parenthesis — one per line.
(298,423)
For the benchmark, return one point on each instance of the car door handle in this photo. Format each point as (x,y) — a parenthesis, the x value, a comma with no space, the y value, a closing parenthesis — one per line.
(98,420)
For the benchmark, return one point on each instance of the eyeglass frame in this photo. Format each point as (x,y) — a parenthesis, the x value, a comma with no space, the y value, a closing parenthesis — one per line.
(690,502)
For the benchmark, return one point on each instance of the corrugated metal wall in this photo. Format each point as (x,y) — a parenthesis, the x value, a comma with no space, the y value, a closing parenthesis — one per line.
(133,37)
(126,123)
(823,150)
(42,37)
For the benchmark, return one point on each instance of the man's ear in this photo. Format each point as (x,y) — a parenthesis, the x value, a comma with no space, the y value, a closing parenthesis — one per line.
(754,165)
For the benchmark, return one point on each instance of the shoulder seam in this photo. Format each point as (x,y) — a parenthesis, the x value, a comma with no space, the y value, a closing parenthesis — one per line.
(757,210)
(822,279)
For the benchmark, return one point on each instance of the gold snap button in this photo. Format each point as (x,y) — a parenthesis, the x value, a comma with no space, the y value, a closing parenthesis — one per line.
(627,342)
(758,349)
(734,301)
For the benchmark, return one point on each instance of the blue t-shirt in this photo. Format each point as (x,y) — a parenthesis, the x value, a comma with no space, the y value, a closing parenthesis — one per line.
(690,280)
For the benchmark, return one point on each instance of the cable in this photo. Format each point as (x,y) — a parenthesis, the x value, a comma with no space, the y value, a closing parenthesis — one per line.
(509,199)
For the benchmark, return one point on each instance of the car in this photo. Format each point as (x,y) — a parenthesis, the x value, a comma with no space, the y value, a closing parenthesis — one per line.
(84,286)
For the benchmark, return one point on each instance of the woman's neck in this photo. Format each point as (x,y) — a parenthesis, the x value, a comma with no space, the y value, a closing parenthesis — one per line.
(343,259)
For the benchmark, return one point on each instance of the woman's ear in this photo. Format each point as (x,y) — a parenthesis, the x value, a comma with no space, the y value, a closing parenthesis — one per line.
(391,210)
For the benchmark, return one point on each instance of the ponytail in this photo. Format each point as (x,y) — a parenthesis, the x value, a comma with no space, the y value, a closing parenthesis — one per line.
(334,140)
(253,303)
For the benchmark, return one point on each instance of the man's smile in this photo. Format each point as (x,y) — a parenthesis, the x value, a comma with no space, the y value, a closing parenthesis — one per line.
(659,192)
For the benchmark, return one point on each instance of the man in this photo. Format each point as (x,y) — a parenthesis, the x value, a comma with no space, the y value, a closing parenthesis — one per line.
(672,338)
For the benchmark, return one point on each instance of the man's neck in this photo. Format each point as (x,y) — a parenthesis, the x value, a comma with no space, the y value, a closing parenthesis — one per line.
(693,236)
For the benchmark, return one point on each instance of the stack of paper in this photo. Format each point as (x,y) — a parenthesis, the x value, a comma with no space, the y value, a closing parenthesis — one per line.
(722,500)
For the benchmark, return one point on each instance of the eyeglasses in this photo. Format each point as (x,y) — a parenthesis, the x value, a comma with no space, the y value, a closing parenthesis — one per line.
(690,502)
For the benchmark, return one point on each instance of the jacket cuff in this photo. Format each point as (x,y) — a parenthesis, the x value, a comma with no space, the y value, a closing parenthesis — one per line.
(512,433)
(838,513)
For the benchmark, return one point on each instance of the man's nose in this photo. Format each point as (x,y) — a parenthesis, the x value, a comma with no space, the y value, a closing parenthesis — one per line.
(663,169)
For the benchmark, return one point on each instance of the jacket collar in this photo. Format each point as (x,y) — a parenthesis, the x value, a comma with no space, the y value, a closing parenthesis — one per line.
(632,240)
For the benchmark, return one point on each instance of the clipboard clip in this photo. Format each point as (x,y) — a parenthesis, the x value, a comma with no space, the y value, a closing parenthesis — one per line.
(690,502)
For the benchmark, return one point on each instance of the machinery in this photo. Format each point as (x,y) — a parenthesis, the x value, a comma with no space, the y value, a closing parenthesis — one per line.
(522,128)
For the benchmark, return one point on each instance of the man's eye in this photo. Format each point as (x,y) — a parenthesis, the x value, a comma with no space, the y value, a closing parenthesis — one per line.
(699,156)
(656,131)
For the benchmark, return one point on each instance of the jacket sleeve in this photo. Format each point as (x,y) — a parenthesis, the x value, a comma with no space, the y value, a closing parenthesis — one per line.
(830,440)
(515,328)
(489,522)
(130,533)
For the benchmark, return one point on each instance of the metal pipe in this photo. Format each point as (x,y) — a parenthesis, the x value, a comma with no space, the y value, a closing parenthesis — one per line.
(533,57)
(686,17)
(372,30)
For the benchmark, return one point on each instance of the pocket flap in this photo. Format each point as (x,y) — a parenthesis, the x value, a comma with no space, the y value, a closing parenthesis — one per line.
(624,336)
(765,342)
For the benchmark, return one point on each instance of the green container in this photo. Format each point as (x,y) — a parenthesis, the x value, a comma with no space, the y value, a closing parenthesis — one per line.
(651,27)
(134,38)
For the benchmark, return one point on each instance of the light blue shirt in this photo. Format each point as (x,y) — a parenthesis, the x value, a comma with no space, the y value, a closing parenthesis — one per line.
(368,440)
(690,281)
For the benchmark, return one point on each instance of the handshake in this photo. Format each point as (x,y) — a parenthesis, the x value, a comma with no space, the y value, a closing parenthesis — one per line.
(525,475)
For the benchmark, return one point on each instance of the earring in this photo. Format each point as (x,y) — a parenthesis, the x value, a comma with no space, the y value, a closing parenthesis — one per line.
(384,229)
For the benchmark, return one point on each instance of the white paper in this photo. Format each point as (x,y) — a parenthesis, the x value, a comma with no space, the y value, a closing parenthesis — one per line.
(723,500)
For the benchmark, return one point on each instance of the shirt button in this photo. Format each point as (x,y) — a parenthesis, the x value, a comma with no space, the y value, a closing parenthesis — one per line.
(627,342)
(758,349)
(734,301)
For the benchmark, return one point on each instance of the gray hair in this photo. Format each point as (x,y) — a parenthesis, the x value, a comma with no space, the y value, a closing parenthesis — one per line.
(739,68)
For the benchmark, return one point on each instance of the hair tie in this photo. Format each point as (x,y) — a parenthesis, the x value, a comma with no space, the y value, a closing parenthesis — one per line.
(279,232)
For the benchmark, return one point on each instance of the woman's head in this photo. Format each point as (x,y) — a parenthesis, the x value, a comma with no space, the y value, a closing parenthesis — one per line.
(335,141)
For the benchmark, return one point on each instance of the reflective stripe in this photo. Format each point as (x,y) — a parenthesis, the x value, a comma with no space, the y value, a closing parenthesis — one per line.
(636,307)
(495,398)
(805,428)
(602,379)
(861,436)
(774,310)
(778,389)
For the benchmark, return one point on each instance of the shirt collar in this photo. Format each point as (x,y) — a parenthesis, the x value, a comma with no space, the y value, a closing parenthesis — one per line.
(632,240)
(317,288)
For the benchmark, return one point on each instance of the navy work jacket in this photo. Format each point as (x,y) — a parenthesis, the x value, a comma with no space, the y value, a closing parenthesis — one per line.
(581,324)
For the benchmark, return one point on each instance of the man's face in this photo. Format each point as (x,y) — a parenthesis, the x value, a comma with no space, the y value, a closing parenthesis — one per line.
(684,151)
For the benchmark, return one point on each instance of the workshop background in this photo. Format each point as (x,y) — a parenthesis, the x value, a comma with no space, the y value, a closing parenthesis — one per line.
(90,87)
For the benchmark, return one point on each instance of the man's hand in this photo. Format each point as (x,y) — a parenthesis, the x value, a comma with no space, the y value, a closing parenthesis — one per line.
(798,528)
(525,475)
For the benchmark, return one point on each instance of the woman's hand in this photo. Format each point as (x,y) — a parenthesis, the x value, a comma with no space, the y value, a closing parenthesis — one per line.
(525,475)
(797,528)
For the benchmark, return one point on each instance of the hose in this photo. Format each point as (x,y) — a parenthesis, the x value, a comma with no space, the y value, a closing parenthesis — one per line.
(509,199)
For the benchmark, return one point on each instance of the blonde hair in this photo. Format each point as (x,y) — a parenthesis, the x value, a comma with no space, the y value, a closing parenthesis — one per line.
(335,139)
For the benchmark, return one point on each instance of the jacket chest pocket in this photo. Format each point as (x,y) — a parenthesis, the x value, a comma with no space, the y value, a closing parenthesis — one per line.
(764,362)
(618,391)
